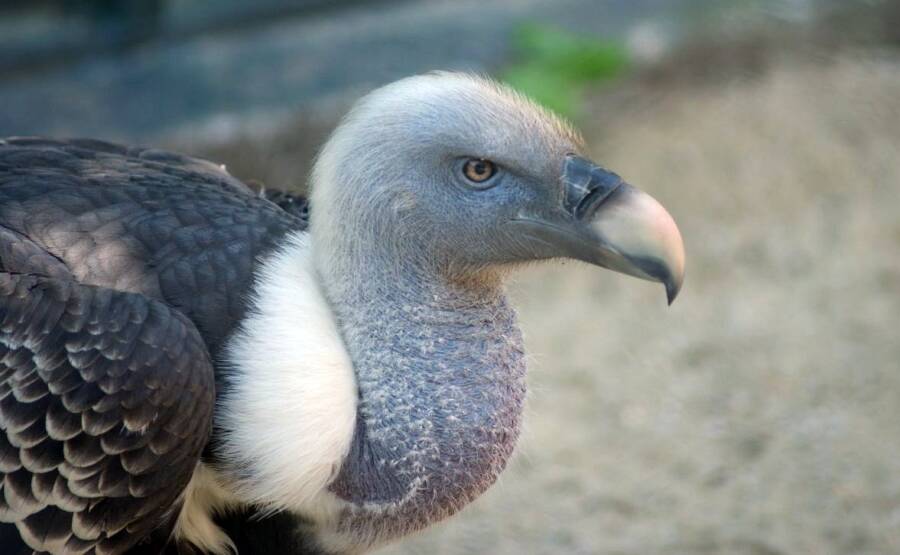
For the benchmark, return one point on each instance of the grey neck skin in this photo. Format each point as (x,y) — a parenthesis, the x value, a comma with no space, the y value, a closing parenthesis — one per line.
(441,376)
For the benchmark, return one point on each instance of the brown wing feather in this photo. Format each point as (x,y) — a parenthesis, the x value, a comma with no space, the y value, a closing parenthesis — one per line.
(106,402)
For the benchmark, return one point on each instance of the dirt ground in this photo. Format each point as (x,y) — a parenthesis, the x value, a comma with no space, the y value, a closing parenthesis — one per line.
(759,415)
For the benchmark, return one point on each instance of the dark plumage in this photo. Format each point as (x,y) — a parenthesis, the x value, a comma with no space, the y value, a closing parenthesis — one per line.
(122,273)
(107,400)
(166,226)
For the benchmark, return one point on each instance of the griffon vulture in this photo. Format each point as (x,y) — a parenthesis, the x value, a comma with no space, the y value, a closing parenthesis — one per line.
(189,366)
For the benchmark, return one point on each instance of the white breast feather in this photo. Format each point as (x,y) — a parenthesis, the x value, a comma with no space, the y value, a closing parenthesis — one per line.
(204,497)
(290,414)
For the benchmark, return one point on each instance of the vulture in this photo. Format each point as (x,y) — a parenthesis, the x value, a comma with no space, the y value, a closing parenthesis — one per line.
(188,365)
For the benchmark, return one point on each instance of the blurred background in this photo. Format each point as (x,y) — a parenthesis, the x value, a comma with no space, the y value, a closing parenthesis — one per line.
(759,415)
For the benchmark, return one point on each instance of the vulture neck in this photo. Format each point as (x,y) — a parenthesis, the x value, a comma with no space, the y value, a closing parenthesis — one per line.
(440,373)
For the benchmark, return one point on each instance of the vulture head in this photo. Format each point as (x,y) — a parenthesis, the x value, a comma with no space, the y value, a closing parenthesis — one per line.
(425,197)
(466,178)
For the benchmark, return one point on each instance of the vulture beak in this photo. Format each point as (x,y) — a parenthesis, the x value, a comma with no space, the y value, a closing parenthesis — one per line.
(605,221)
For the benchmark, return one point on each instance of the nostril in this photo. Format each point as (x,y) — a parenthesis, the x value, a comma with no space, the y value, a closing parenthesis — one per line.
(599,192)
(587,185)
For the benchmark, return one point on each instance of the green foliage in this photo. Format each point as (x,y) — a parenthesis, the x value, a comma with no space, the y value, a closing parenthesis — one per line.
(555,66)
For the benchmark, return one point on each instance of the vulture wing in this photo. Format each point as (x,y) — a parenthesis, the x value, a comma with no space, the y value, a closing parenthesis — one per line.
(106,401)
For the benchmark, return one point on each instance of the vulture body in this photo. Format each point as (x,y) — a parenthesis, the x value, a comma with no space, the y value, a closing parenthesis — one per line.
(188,366)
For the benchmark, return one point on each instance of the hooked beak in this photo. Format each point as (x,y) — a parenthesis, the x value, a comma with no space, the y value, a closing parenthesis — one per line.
(605,221)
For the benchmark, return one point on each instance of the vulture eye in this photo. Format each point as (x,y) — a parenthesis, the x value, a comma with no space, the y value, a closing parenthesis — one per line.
(478,170)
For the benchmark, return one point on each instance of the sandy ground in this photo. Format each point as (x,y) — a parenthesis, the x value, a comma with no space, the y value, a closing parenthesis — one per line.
(758,415)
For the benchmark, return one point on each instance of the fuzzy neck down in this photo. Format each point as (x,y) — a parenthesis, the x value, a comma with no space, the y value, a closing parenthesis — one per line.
(440,373)
(370,399)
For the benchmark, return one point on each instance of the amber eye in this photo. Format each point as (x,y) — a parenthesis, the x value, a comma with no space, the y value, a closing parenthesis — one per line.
(478,170)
